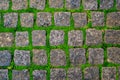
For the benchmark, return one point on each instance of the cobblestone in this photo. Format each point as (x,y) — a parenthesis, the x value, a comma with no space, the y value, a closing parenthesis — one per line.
(106,4)
(39,75)
(56,3)
(118,4)
(4,4)
(4,74)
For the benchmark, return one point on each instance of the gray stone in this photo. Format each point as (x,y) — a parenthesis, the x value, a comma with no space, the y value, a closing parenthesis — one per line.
(57,74)
(56,37)
(27,19)
(10,19)
(6,39)
(39,37)
(62,18)
(56,3)
(98,19)
(22,39)
(20,75)
(112,36)
(37,4)
(77,56)
(108,73)
(106,4)
(74,74)
(75,38)
(118,4)
(22,57)
(93,37)
(4,74)
(113,55)
(4,4)
(44,19)
(57,57)
(90,4)
(96,55)
(91,73)
(19,4)
(80,19)
(39,57)
(39,75)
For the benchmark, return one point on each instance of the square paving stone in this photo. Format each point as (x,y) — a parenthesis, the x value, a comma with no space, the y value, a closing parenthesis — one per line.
(6,39)
(39,38)
(80,19)
(39,75)
(91,73)
(90,4)
(22,39)
(112,36)
(98,19)
(57,74)
(27,19)
(22,57)
(93,37)
(39,57)
(56,3)
(56,37)
(37,4)
(77,56)
(75,38)
(62,18)
(106,4)
(73,4)
(118,4)
(113,54)
(74,74)
(108,73)
(19,4)
(4,4)
(5,58)
(96,55)
(57,57)
(20,75)
(10,19)
(4,74)
(44,19)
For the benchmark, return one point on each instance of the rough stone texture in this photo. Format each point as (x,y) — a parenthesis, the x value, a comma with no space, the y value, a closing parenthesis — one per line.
(113,19)
(75,38)
(27,19)
(74,74)
(91,73)
(39,37)
(108,73)
(90,4)
(96,55)
(80,19)
(19,4)
(112,36)
(56,3)
(44,19)
(57,74)
(22,57)
(6,39)
(20,75)
(22,39)
(62,18)
(106,4)
(57,57)
(4,74)
(118,4)
(39,75)
(37,4)
(98,19)
(56,37)
(113,54)
(93,37)
(73,4)
(4,4)
(77,56)
(39,57)
(10,19)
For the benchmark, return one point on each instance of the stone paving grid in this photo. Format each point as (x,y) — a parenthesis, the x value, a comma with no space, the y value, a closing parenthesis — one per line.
(85,32)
